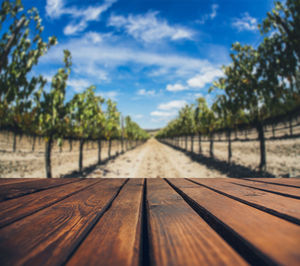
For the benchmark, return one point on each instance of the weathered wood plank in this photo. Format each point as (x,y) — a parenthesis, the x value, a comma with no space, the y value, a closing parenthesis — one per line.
(10,191)
(15,209)
(287,208)
(4,181)
(116,238)
(49,236)
(280,190)
(178,235)
(292,182)
(272,239)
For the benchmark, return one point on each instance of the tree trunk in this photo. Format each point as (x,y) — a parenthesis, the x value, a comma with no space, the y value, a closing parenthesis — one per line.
(261,137)
(99,151)
(273,130)
(200,144)
(14,142)
(192,144)
(291,126)
(5,53)
(70,145)
(229,146)
(33,143)
(122,144)
(235,132)
(211,145)
(186,142)
(48,148)
(81,143)
(109,148)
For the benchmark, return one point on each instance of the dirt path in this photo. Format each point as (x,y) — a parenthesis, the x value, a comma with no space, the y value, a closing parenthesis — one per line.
(154,160)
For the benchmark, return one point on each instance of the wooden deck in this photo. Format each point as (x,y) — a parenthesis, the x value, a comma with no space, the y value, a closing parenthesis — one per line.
(149,221)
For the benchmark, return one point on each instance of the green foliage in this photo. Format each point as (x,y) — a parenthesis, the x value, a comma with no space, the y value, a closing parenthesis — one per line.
(133,131)
(52,108)
(18,54)
(85,114)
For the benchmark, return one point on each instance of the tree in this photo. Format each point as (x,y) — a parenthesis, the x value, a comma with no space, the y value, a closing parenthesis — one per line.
(112,123)
(52,110)
(19,52)
(85,113)
(187,123)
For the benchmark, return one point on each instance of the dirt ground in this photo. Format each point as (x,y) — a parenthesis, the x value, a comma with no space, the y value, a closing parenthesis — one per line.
(154,160)
(151,159)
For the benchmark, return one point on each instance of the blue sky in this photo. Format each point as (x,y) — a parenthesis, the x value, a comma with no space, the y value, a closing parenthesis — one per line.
(151,57)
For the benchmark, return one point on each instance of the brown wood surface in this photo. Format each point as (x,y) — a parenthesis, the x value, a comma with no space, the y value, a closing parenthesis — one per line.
(176,222)
(116,238)
(4,181)
(178,235)
(10,191)
(285,207)
(49,236)
(271,238)
(280,190)
(15,209)
(277,181)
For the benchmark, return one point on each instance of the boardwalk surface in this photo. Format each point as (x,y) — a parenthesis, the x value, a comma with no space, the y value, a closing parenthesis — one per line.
(149,221)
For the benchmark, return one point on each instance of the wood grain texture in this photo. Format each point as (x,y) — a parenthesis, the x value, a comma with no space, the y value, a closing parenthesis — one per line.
(13,190)
(284,207)
(116,238)
(49,236)
(178,235)
(292,182)
(4,181)
(276,239)
(15,209)
(280,190)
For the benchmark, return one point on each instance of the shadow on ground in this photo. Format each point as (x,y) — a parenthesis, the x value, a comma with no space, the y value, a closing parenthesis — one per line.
(231,170)
(89,169)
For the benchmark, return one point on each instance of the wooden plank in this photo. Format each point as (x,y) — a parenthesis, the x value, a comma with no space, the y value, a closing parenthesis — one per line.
(291,182)
(15,209)
(49,236)
(10,191)
(287,208)
(178,235)
(273,240)
(280,190)
(116,238)
(4,181)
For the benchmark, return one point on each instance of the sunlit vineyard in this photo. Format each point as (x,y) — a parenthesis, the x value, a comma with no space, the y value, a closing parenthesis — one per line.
(256,107)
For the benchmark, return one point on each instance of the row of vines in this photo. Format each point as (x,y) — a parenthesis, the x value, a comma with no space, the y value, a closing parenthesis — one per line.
(260,87)
(28,107)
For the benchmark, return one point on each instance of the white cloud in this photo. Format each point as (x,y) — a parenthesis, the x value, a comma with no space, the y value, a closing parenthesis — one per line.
(94,37)
(144,92)
(148,28)
(176,87)
(245,23)
(206,76)
(138,116)
(79,85)
(54,8)
(213,13)
(172,105)
(94,60)
(163,114)
(81,17)
(210,16)
(108,94)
